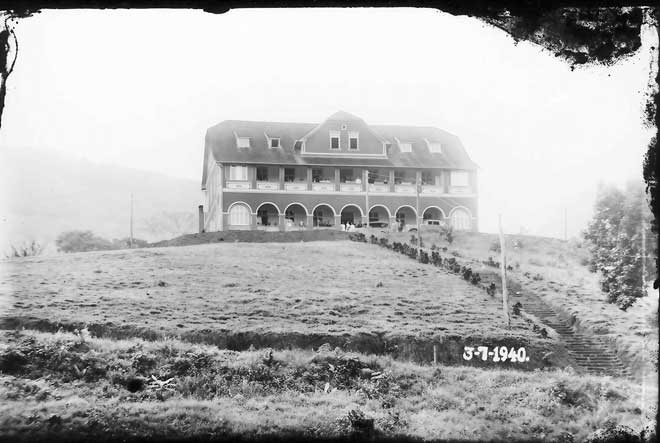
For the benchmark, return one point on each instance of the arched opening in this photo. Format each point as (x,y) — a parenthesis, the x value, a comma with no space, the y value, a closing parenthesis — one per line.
(295,216)
(351,214)
(323,216)
(461,220)
(267,216)
(406,217)
(379,217)
(239,215)
(433,213)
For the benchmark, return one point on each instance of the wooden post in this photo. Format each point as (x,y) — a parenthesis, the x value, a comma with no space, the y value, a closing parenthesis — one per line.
(435,355)
(505,295)
(366,193)
(200,210)
(419,230)
(131,233)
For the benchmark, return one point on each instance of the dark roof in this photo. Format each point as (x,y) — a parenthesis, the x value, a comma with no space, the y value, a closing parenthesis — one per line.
(221,140)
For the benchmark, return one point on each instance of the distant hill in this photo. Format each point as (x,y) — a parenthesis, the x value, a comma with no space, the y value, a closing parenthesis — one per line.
(43,193)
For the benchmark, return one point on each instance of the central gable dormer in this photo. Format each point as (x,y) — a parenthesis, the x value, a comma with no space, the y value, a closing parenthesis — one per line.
(344,135)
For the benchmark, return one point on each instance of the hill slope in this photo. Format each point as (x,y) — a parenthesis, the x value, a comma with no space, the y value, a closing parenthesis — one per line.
(45,192)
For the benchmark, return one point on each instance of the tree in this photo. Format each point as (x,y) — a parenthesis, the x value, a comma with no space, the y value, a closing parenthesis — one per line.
(616,236)
(81,241)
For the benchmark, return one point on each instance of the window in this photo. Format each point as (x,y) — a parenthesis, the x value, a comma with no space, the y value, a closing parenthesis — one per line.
(353,140)
(289,174)
(405,147)
(274,142)
(239,215)
(435,148)
(317,174)
(460,220)
(262,173)
(243,142)
(428,178)
(346,175)
(238,172)
(398,177)
(459,178)
(334,140)
(297,146)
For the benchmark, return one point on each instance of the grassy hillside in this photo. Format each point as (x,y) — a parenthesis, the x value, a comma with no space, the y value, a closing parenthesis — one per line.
(43,193)
(237,294)
(70,387)
(557,271)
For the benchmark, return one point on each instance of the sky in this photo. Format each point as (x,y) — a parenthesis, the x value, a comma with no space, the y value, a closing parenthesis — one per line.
(140,88)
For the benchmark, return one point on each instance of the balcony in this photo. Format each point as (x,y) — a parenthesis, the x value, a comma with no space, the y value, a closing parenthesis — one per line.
(432,189)
(379,187)
(351,187)
(323,187)
(238,184)
(404,188)
(460,190)
(268,186)
(295,186)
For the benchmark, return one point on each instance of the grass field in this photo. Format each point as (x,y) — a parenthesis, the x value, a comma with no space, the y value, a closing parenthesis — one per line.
(155,315)
(69,387)
(319,287)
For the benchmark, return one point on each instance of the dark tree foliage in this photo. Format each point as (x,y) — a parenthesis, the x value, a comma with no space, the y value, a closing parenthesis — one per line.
(617,246)
(81,241)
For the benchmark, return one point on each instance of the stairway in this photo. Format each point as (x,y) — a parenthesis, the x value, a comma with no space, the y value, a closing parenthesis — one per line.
(591,353)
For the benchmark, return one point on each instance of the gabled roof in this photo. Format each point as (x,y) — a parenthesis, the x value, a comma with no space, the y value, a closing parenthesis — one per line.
(221,142)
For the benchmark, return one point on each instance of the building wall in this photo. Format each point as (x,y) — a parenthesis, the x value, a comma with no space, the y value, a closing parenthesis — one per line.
(338,201)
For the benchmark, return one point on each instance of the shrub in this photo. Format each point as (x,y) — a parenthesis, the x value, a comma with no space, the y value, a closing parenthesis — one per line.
(26,250)
(81,241)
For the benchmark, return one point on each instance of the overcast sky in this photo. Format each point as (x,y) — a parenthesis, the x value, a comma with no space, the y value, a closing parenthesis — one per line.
(140,88)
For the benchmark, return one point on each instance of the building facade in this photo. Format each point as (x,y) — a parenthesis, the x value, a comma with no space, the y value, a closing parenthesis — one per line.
(292,176)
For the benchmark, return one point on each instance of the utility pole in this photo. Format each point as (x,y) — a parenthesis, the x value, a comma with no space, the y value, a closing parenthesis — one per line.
(366,195)
(505,294)
(419,230)
(131,234)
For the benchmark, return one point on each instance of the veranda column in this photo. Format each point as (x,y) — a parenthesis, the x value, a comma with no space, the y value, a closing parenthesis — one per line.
(337,184)
(309,178)
(281,178)
(391,180)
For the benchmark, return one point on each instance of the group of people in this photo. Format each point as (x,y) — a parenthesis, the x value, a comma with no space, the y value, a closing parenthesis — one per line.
(348,227)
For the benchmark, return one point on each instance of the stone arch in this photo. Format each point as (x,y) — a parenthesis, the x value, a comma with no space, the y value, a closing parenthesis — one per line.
(269,203)
(267,219)
(239,214)
(461,218)
(321,218)
(407,214)
(299,204)
(438,215)
(379,214)
(348,214)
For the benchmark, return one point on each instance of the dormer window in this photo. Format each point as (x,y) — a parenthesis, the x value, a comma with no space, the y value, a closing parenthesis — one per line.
(405,147)
(353,141)
(274,143)
(435,148)
(243,142)
(334,140)
(297,146)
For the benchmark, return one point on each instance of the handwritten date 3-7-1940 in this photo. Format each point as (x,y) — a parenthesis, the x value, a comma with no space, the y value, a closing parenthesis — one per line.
(498,354)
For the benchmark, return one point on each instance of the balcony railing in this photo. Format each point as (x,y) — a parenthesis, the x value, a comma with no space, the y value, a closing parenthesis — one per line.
(404,189)
(323,187)
(432,189)
(460,190)
(268,186)
(236,184)
(297,186)
(379,187)
(351,187)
